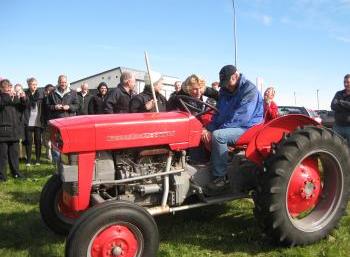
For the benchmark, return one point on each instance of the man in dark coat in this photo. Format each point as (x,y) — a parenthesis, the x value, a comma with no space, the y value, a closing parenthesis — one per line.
(63,101)
(144,101)
(118,100)
(10,106)
(341,107)
(84,98)
(97,103)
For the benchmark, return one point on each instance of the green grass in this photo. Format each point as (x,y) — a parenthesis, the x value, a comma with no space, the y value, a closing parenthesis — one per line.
(227,230)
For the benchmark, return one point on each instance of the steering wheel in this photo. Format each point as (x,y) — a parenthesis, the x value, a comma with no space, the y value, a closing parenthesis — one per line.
(188,107)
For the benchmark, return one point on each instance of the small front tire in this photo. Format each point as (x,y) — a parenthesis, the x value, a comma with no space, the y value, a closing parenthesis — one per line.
(114,229)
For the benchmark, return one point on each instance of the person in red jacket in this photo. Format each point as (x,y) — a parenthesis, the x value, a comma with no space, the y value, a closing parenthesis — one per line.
(270,107)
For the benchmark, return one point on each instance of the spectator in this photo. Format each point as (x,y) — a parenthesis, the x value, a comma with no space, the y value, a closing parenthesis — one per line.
(341,107)
(84,98)
(144,101)
(177,86)
(215,85)
(18,90)
(97,103)
(10,104)
(240,107)
(270,107)
(119,99)
(32,120)
(45,114)
(63,101)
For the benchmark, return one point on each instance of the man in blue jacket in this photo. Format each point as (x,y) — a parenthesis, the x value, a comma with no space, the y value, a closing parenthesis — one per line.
(240,107)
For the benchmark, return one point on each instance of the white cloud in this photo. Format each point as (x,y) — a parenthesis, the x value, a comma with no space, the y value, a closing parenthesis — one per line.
(266,20)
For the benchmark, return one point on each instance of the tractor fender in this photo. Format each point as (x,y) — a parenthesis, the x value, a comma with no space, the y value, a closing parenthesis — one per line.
(259,146)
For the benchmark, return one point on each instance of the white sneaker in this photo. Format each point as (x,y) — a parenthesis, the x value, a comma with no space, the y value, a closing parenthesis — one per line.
(28,164)
(37,164)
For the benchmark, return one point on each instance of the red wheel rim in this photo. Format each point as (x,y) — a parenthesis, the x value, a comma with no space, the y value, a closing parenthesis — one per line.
(115,240)
(305,188)
(65,210)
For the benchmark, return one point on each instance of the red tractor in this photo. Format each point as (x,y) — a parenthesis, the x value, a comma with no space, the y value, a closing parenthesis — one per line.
(117,171)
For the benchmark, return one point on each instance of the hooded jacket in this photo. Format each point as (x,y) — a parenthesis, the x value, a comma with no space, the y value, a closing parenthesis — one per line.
(68,97)
(10,117)
(242,108)
(97,104)
(137,103)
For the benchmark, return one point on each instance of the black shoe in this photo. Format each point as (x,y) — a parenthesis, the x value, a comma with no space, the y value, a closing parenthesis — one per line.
(3,180)
(18,175)
(217,186)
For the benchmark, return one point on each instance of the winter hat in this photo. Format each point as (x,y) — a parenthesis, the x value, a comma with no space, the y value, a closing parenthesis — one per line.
(156,76)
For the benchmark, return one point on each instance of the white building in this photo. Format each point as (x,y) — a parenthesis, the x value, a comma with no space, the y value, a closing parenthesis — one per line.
(112,78)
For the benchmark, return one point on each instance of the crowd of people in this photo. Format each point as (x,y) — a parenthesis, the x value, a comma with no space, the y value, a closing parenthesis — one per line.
(24,114)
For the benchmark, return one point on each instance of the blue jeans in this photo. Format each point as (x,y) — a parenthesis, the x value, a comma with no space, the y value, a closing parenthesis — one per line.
(219,151)
(343,131)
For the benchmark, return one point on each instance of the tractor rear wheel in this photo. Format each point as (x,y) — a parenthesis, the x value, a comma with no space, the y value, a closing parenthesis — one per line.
(305,187)
(54,213)
(114,229)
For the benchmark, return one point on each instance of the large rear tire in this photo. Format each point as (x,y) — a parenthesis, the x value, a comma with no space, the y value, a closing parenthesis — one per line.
(114,229)
(305,187)
(53,212)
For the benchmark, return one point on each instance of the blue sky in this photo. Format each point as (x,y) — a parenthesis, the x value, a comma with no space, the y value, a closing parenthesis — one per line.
(296,45)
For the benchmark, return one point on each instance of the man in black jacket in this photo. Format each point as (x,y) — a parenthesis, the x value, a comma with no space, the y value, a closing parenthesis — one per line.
(63,101)
(119,99)
(84,98)
(144,101)
(341,106)
(10,106)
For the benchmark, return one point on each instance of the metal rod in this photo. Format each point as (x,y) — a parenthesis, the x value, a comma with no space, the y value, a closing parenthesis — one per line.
(126,180)
(318,101)
(152,86)
(158,210)
(166,181)
(234,30)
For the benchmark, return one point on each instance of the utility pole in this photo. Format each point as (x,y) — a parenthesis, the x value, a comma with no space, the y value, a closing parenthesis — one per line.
(234,30)
(318,100)
(295,98)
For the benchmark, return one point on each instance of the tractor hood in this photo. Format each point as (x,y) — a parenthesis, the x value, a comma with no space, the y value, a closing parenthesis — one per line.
(178,130)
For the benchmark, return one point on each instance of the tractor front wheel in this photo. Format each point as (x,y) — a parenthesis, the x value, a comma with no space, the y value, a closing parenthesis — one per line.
(304,189)
(114,229)
(53,211)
